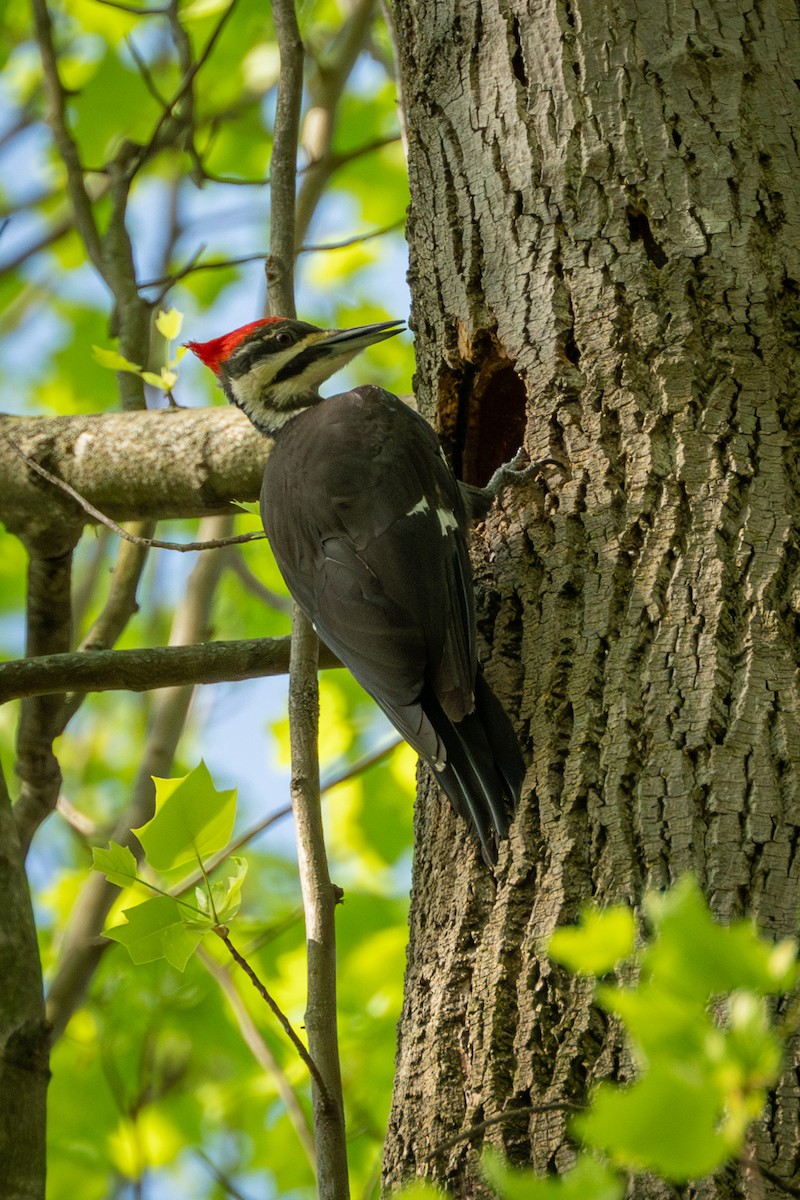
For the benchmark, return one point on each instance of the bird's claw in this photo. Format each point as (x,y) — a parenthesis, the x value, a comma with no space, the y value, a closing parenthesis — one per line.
(512,472)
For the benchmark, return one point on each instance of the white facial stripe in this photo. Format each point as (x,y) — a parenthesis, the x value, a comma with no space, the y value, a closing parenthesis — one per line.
(421,506)
(447,520)
(268,420)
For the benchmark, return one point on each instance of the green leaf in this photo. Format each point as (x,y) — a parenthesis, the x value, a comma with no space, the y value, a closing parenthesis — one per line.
(156,929)
(117,863)
(114,361)
(155,380)
(694,955)
(169,324)
(419,1190)
(665,1122)
(226,896)
(595,946)
(193,821)
(587,1180)
(248,506)
(658,1020)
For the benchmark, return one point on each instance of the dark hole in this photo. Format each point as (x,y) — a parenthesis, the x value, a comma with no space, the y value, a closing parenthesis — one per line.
(640,231)
(496,424)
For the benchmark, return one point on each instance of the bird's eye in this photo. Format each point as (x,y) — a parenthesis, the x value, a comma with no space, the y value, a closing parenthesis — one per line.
(284,339)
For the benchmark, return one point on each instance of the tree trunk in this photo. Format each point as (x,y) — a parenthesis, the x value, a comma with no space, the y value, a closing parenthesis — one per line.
(24,1033)
(604,235)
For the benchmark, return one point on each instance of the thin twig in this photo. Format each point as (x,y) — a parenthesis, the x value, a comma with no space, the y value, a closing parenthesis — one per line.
(65,143)
(219,264)
(167,282)
(261,1052)
(134,539)
(131,8)
(326,87)
(185,87)
(466,1135)
(253,584)
(351,241)
(284,1021)
(218,1176)
(144,70)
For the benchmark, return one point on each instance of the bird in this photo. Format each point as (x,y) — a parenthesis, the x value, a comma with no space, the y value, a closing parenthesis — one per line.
(369,528)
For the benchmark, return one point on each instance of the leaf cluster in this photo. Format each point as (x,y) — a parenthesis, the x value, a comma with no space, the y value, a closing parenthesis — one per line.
(699,1021)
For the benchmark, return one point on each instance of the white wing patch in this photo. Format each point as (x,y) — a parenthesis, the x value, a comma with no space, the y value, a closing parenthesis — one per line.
(447,520)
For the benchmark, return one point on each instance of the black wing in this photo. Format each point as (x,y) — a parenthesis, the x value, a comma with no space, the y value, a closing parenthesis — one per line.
(368,527)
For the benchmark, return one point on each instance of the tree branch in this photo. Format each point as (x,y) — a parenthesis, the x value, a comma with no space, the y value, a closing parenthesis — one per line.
(175,463)
(24,1040)
(326,86)
(49,629)
(274,1008)
(126,535)
(149,669)
(283,164)
(57,119)
(319,895)
(261,1052)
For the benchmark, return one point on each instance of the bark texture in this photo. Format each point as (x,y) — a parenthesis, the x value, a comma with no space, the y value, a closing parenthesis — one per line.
(605,237)
(158,464)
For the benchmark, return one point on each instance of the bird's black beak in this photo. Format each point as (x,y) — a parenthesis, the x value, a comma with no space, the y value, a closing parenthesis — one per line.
(353,340)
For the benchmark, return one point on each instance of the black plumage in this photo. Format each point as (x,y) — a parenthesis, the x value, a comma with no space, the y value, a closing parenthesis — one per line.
(369,528)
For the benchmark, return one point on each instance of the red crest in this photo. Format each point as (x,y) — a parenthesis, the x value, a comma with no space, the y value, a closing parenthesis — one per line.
(216,351)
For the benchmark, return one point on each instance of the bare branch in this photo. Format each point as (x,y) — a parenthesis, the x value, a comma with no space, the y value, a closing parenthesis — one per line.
(57,119)
(184,90)
(274,1008)
(252,584)
(262,1053)
(319,895)
(144,70)
(135,539)
(352,241)
(193,265)
(283,164)
(220,1177)
(148,669)
(49,625)
(96,188)
(326,85)
(175,463)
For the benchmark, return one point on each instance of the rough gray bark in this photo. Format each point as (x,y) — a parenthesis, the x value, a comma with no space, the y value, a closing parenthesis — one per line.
(605,238)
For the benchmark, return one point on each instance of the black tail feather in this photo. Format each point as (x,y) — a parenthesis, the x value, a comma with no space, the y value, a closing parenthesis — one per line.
(484,769)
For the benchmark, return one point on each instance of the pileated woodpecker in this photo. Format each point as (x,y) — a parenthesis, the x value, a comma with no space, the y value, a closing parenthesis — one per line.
(369,528)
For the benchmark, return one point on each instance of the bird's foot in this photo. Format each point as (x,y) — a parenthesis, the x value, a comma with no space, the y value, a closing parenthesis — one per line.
(480,500)
(513,472)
